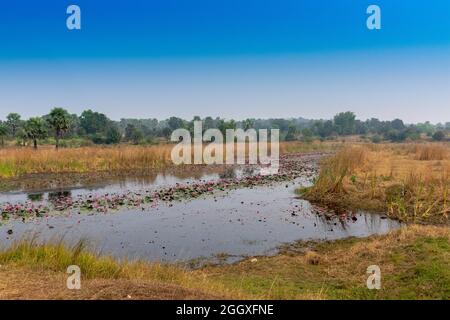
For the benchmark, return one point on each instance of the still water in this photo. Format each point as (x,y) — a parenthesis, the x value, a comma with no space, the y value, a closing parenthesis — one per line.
(231,224)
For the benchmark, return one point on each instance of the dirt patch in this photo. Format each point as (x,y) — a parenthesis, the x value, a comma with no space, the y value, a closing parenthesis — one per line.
(22,283)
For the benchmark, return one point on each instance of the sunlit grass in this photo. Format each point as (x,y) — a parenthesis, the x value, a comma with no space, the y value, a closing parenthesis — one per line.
(15,162)
(19,161)
(407,181)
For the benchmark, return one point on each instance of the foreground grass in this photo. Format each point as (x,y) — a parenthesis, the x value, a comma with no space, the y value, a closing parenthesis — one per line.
(414,265)
(410,182)
(52,260)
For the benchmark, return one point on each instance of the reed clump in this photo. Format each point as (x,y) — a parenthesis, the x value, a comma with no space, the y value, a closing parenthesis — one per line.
(427,152)
(408,182)
(19,161)
(15,162)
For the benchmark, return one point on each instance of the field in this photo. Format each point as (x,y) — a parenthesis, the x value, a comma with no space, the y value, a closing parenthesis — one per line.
(407,182)
(410,182)
(17,162)
(414,261)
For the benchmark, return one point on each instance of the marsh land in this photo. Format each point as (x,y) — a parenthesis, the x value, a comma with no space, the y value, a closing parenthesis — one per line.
(140,228)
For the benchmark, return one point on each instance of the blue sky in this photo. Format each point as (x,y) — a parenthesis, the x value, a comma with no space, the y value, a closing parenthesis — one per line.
(229,58)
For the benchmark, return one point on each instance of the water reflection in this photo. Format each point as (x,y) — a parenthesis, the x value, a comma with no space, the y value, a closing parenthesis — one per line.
(228,173)
(230,224)
(124,183)
(54,196)
(35,197)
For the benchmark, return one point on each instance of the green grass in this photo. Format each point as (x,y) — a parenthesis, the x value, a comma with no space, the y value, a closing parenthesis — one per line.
(430,276)
(56,257)
(414,264)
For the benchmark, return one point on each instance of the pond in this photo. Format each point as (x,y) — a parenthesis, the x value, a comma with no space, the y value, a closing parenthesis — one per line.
(228,225)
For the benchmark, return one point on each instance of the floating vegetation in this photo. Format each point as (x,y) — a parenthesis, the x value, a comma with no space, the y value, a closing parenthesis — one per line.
(291,166)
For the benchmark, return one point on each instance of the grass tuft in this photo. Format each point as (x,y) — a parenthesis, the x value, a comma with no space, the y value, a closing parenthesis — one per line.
(408,182)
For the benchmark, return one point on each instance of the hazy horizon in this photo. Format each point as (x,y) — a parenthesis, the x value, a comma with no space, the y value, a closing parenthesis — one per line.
(232,59)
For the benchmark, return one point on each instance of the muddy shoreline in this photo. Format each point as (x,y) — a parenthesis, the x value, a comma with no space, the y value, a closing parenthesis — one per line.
(44,182)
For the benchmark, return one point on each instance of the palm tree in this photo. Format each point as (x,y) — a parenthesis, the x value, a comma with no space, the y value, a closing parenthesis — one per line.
(35,129)
(59,120)
(3,133)
(13,121)
(21,137)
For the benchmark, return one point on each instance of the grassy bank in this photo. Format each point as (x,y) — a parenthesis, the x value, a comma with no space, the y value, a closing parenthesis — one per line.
(48,263)
(17,162)
(414,265)
(410,182)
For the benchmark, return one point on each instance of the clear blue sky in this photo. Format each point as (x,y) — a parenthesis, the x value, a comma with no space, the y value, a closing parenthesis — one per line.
(229,58)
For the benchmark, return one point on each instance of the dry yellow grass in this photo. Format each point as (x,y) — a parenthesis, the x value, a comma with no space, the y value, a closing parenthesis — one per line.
(18,161)
(15,162)
(408,181)
(25,283)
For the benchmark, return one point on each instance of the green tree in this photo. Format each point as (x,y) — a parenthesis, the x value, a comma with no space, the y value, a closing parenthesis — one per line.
(248,124)
(175,123)
(166,132)
(93,122)
(3,133)
(13,122)
(324,128)
(307,134)
(59,120)
(35,129)
(21,137)
(208,123)
(113,135)
(345,123)
(223,125)
(133,134)
(291,133)
(397,124)
(190,124)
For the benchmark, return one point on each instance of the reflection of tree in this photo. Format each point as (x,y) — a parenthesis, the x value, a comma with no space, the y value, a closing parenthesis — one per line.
(248,171)
(57,197)
(35,196)
(228,173)
(367,223)
(328,223)
(144,179)
(373,222)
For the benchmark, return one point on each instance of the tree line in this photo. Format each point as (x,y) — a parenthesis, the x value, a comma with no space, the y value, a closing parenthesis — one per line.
(96,128)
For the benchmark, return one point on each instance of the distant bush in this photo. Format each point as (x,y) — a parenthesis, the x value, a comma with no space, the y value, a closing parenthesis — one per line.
(376,139)
(439,135)
(75,143)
